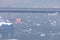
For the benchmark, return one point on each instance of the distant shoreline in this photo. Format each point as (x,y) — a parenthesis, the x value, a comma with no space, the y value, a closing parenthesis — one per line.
(33,10)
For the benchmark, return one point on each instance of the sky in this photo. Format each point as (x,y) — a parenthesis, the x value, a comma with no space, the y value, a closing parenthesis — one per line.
(30,3)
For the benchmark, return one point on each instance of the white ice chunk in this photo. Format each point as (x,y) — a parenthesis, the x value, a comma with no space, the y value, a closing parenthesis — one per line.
(52,23)
(38,24)
(25,30)
(30,29)
(55,22)
(52,14)
(43,35)
(12,39)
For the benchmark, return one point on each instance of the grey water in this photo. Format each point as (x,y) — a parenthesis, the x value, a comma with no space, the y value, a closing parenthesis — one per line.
(34,26)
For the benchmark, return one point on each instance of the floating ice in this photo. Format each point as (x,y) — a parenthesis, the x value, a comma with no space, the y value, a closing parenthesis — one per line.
(43,35)
(30,29)
(55,22)
(0,36)
(27,30)
(38,24)
(12,39)
(50,20)
(52,14)
(52,23)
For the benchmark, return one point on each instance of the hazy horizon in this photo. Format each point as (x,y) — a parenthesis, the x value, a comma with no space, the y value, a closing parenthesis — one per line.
(30,3)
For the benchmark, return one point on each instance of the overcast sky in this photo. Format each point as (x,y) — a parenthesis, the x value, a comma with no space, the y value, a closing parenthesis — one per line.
(30,3)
